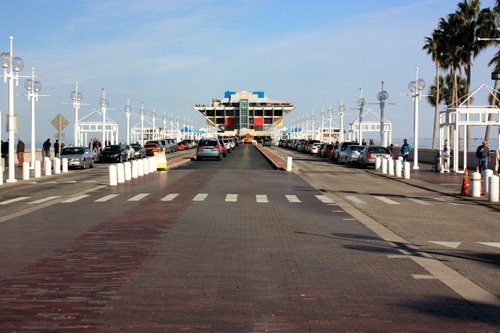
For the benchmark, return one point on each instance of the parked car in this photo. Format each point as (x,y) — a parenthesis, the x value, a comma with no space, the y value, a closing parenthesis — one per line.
(341,147)
(130,152)
(267,143)
(113,153)
(139,150)
(327,151)
(315,148)
(209,148)
(79,156)
(351,154)
(227,145)
(370,153)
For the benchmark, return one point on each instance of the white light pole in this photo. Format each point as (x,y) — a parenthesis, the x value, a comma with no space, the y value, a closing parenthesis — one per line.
(128,109)
(415,88)
(76,97)
(341,113)
(361,104)
(164,126)
(104,105)
(141,114)
(11,67)
(153,120)
(382,96)
(33,86)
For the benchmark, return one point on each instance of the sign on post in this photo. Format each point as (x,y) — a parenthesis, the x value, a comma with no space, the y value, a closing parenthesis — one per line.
(59,123)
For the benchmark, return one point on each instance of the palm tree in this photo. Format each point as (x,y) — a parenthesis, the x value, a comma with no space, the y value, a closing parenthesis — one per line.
(447,89)
(496,63)
(431,45)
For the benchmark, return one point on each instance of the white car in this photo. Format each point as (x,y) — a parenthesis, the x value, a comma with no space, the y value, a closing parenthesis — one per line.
(315,148)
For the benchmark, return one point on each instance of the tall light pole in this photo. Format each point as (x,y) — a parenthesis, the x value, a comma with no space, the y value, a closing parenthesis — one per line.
(127,110)
(341,113)
(415,88)
(382,96)
(33,87)
(164,125)
(153,120)
(141,115)
(11,67)
(361,104)
(104,105)
(76,97)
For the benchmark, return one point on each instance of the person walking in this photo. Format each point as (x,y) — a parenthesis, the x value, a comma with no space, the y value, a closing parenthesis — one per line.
(497,160)
(57,149)
(5,152)
(20,152)
(405,150)
(46,148)
(446,156)
(483,156)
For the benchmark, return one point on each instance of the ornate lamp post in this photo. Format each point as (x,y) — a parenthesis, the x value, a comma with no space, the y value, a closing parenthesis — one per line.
(76,97)
(382,96)
(33,87)
(341,113)
(361,104)
(11,67)
(141,114)
(164,126)
(153,120)
(128,110)
(104,105)
(415,88)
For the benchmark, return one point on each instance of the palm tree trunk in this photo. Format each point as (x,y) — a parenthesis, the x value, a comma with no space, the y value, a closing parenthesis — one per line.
(490,116)
(468,69)
(436,107)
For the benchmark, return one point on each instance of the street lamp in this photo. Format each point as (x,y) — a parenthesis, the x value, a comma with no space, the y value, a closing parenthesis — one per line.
(382,96)
(141,114)
(164,126)
(76,97)
(104,105)
(415,88)
(341,113)
(361,104)
(128,109)
(11,68)
(33,87)
(153,120)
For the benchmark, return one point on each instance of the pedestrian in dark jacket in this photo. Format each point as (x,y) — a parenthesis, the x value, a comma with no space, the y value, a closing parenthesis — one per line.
(20,152)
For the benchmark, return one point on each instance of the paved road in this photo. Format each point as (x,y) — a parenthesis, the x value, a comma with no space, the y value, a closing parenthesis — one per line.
(234,246)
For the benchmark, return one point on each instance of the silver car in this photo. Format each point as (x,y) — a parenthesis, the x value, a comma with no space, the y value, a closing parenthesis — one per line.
(78,156)
(209,148)
(370,153)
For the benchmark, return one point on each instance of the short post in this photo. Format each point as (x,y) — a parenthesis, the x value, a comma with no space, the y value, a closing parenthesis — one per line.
(406,170)
(128,171)
(289,163)
(57,165)
(1,172)
(120,170)
(140,167)
(398,168)
(476,184)
(484,176)
(390,166)
(146,166)
(113,181)
(378,164)
(384,166)
(64,165)
(48,167)
(26,170)
(135,169)
(38,169)
(152,164)
(493,188)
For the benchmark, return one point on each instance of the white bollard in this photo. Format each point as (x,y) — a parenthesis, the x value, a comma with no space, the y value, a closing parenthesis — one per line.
(146,166)
(120,173)
(289,163)
(128,171)
(390,166)
(113,180)
(26,170)
(135,167)
(140,167)
(384,166)
(64,165)
(406,170)
(493,187)
(57,166)
(38,169)
(476,184)
(484,176)
(378,164)
(398,168)
(152,164)
(1,172)
(48,167)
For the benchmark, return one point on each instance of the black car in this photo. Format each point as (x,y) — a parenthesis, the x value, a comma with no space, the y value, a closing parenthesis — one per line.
(140,151)
(113,153)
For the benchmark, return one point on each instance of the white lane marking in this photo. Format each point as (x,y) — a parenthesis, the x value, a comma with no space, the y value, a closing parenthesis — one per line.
(200,197)
(261,198)
(45,199)
(387,200)
(70,182)
(355,199)
(420,202)
(455,204)
(292,198)
(90,181)
(452,245)
(398,256)
(490,244)
(324,199)
(50,182)
(348,219)
(439,199)
(231,197)
(107,198)
(73,199)
(423,277)
(138,197)
(337,211)
(170,197)
(6,202)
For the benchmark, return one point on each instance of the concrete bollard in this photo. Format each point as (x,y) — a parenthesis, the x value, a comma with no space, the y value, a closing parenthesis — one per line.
(1,173)
(26,170)
(57,166)
(406,170)
(152,165)
(38,169)
(146,166)
(120,173)
(398,168)
(128,171)
(64,165)
(140,167)
(113,180)
(493,187)
(390,166)
(484,176)
(476,184)
(48,167)
(289,163)
(378,164)
(384,166)
(135,167)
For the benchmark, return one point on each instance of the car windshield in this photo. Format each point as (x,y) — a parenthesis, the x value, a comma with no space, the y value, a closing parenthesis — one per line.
(72,151)
(151,145)
(381,150)
(357,148)
(208,143)
(135,146)
(112,148)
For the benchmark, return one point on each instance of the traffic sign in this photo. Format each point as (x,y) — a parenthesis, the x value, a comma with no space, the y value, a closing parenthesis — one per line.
(60,135)
(59,122)
(495,76)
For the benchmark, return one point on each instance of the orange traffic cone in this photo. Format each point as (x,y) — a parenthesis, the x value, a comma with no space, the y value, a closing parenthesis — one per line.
(465,185)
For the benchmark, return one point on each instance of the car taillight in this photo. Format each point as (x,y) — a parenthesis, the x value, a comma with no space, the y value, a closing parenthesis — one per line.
(369,155)
(199,147)
(392,156)
(216,147)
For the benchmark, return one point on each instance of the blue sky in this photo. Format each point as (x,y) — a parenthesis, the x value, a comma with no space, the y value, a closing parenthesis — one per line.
(174,54)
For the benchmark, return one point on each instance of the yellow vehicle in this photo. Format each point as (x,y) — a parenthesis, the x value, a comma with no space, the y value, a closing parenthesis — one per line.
(248,138)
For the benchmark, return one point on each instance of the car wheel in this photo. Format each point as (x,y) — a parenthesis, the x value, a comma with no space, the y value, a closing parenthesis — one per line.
(84,166)
(219,157)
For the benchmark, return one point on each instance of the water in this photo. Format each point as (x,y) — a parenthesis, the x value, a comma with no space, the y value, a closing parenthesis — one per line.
(427,142)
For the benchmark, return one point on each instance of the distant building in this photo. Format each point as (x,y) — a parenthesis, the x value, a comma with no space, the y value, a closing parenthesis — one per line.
(244,112)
